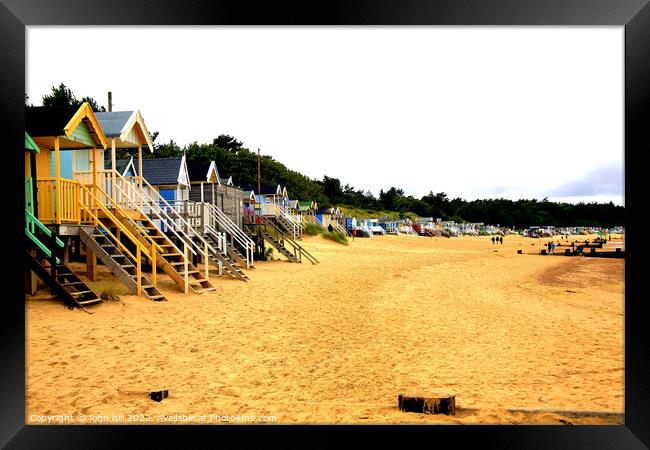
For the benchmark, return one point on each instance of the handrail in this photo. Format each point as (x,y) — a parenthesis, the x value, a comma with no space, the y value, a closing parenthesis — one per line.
(140,229)
(224,222)
(30,218)
(184,222)
(293,243)
(164,217)
(114,219)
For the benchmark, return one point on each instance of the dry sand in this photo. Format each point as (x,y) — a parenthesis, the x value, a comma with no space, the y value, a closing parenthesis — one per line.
(337,342)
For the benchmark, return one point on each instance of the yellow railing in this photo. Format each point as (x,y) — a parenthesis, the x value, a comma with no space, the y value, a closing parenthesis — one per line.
(58,204)
(91,207)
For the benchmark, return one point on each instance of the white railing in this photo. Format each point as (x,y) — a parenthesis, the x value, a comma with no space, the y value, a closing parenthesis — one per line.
(271,209)
(217,219)
(295,222)
(152,203)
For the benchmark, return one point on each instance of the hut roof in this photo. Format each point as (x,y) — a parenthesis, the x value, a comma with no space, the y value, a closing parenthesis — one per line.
(203,171)
(165,171)
(119,124)
(266,190)
(30,144)
(122,164)
(45,123)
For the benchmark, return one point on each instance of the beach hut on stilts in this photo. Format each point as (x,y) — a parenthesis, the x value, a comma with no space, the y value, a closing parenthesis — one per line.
(46,255)
(216,209)
(106,213)
(274,223)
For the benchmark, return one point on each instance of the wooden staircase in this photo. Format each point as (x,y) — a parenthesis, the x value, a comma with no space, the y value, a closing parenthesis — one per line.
(119,263)
(278,243)
(63,283)
(46,262)
(284,220)
(228,263)
(280,240)
(170,259)
(239,246)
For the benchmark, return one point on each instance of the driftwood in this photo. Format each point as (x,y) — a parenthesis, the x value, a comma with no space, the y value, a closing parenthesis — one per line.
(428,405)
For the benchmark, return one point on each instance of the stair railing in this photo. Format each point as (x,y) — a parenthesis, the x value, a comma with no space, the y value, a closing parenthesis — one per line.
(140,248)
(31,223)
(150,199)
(217,218)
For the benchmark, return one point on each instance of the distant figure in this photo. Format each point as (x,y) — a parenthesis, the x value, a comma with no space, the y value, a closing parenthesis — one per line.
(548,245)
(501,239)
(493,240)
(552,247)
(330,228)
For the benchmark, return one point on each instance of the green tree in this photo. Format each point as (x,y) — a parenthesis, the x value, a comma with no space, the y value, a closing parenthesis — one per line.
(62,96)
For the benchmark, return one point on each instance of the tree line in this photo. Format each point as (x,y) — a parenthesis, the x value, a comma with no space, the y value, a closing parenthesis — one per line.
(233,159)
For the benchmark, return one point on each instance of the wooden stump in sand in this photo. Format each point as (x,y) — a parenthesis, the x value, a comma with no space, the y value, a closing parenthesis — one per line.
(445,404)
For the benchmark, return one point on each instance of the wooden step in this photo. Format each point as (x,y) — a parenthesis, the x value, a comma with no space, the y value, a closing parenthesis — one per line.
(127,266)
(201,291)
(157,297)
(93,300)
(170,254)
(79,292)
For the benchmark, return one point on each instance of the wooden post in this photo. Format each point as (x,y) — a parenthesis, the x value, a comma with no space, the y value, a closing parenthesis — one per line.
(94,189)
(185,261)
(57,174)
(113,166)
(445,404)
(91,264)
(138,270)
(30,282)
(140,171)
(66,251)
(205,256)
(153,264)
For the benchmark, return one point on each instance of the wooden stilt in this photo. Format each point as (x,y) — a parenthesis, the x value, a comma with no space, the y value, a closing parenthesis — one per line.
(57,174)
(30,282)
(66,251)
(91,265)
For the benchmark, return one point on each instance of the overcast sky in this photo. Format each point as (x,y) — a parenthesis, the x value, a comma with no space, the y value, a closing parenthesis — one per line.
(476,112)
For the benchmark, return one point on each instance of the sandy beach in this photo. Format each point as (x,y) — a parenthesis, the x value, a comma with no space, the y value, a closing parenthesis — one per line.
(338,341)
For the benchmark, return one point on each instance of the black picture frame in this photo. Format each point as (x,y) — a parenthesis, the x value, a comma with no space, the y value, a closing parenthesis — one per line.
(634,15)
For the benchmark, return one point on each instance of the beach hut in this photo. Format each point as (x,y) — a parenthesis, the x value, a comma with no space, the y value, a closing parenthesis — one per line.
(168,177)
(204,180)
(71,195)
(124,130)
(70,139)
(324,216)
(215,205)
(46,255)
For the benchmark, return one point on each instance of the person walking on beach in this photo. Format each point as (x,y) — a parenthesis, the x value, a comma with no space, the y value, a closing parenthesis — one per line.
(492,240)
(501,239)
